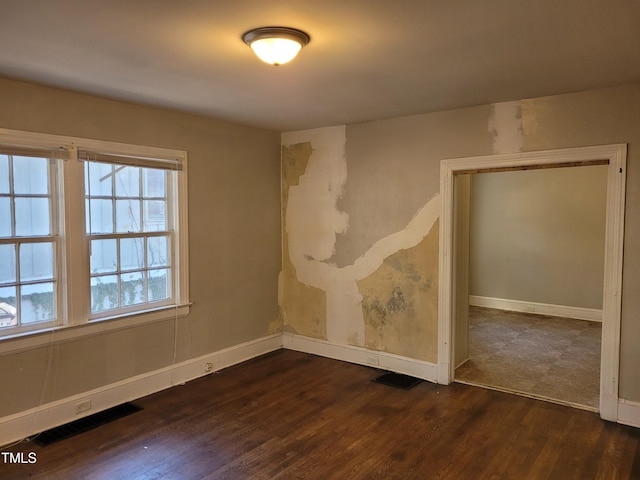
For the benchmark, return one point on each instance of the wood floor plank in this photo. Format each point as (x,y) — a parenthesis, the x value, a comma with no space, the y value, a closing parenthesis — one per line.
(291,415)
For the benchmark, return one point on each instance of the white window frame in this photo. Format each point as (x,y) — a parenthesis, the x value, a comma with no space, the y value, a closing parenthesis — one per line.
(170,190)
(53,237)
(74,296)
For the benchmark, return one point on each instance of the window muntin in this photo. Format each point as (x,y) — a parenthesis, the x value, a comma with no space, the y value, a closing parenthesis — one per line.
(131,237)
(28,243)
(61,226)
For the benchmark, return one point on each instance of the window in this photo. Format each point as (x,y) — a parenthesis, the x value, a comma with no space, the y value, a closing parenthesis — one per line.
(131,236)
(89,231)
(28,242)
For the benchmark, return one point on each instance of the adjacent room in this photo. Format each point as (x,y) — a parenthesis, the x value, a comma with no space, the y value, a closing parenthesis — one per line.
(536,279)
(219,263)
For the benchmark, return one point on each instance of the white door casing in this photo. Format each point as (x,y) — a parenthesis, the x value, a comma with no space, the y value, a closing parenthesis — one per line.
(616,156)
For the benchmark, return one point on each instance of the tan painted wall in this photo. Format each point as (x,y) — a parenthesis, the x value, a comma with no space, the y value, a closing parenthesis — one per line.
(538,236)
(234,241)
(392,172)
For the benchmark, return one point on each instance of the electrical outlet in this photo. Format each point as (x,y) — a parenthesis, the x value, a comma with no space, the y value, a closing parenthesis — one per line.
(83,406)
(208,367)
(373,360)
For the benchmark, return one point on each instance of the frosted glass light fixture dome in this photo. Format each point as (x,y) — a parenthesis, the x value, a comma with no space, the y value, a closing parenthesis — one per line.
(276,45)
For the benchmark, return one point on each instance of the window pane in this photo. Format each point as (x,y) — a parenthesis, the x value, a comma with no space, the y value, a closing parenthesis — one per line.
(30,175)
(127,216)
(7,264)
(37,303)
(159,285)
(104,293)
(153,182)
(131,253)
(4,174)
(100,214)
(104,256)
(127,181)
(36,261)
(124,202)
(32,216)
(155,216)
(132,288)
(157,251)
(98,179)
(5,217)
(8,307)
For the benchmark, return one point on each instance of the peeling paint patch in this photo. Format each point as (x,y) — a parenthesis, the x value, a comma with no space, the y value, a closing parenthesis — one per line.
(276,325)
(302,307)
(400,302)
(505,126)
(294,162)
(312,220)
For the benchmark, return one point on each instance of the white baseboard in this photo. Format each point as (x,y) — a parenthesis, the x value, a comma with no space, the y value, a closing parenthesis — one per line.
(18,426)
(24,424)
(629,413)
(362,356)
(580,313)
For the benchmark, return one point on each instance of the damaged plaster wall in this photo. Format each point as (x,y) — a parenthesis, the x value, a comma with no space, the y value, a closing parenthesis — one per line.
(360,211)
(302,306)
(400,302)
(314,177)
(389,170)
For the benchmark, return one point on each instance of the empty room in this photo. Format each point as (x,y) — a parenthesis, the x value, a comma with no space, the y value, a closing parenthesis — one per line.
(220,263)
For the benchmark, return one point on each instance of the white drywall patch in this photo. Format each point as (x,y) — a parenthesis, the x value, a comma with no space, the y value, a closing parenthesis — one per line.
(313,220)
(505,125)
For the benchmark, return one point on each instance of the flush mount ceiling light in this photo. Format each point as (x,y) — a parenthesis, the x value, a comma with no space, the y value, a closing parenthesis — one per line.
(276,45)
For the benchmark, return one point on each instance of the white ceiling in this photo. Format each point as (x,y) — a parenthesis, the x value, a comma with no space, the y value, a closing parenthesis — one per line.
(367,59)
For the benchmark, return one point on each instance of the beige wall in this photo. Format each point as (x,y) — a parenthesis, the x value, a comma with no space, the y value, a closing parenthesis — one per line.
(388,181)
(234,242)
(360,234)
(538,236)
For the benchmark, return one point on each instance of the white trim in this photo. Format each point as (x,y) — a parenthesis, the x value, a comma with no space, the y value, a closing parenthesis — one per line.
(616,180)
(74,317)
(28,340)
(629,413)
(591,314)
(46,140)
(361,356)
(23,424)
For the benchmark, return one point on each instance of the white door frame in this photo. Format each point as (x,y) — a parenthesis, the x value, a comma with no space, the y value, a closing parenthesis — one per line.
(616,155)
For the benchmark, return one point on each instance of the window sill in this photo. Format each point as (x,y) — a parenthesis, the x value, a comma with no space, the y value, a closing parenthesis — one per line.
(46,336)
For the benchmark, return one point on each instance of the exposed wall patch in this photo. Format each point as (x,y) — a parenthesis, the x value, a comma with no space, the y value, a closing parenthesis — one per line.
(312,217)
(505,126)
(303,308)
(400,301)
(312,221)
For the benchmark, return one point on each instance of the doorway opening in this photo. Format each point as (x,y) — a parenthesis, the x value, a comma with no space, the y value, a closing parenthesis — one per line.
(453,269)
(535,242)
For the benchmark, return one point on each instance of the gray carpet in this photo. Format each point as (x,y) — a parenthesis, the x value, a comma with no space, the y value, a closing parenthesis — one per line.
(550,357)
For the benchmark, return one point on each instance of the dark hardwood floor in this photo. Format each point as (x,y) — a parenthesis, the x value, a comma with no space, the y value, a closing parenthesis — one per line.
(293,415)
